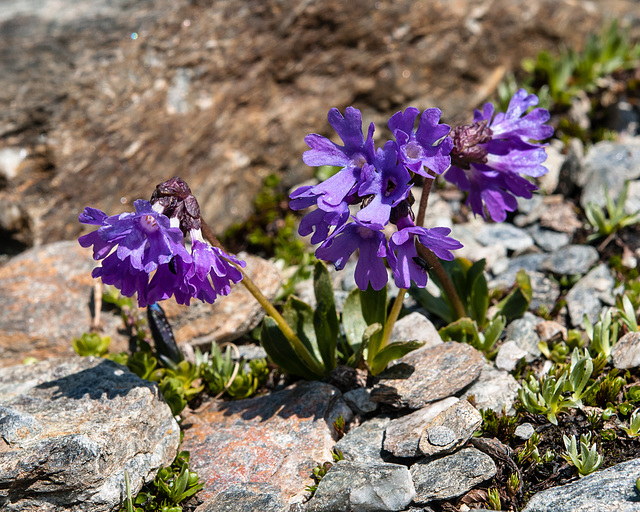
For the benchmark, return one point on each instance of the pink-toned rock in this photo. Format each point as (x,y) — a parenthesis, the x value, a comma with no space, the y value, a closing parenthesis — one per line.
(45,299)
(277,438)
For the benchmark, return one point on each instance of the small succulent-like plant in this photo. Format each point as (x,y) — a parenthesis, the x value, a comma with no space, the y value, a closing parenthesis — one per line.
(321,470)
(580,371)
(171,486)
(529,451)
(513,483)
(588,460)
(546,396)
(223,375)
(499,425)
(603,335)
(615,219)
(627,314)
(633,430)
(91,344)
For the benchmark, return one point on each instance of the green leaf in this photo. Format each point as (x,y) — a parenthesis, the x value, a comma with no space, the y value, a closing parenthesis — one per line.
(493,331)
(435,305)
(463,330)
(517,302)
(371,331)
(281,352)
(374,310)
(353,322)
(325,318)
(393,351)
(479,293)
(299,316)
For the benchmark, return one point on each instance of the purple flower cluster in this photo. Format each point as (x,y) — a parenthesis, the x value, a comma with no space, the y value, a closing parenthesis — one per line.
(490,154)
(143,252)
(484,159)
(380,181)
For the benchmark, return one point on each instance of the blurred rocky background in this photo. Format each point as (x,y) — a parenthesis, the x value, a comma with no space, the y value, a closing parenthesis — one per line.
(100,100)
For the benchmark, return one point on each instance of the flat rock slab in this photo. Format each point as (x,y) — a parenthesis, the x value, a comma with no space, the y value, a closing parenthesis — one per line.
(364,442)
(495,389)
(428,374)
(249,497)
(570,260)
(71,427)
(353,487)
(609,490)
(450,429)
(402,435)
(277,438)
(451,476)
(228,317)
(45,299)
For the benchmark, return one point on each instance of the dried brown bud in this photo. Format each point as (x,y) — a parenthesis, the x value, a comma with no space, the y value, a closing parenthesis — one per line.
(176,199)
(466,140)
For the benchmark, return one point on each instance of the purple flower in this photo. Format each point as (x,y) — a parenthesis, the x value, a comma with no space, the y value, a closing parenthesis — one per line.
(489,155)
(372,244)
(403,257)
(143,253)
(386,184)
(424,147)
(356,154)
(145,237)
(211,274)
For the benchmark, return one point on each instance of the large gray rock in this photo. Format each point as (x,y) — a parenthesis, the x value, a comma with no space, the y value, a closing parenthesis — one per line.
(609,490)
(428,374)
(451,476)
(106,98)
(71,427)
(353,487)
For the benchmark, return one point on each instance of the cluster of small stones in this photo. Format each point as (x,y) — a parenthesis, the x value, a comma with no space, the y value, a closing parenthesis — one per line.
(409,443)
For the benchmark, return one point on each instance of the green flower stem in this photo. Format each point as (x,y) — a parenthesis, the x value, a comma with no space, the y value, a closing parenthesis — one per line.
(391,319)
(285,328)
(432,259)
